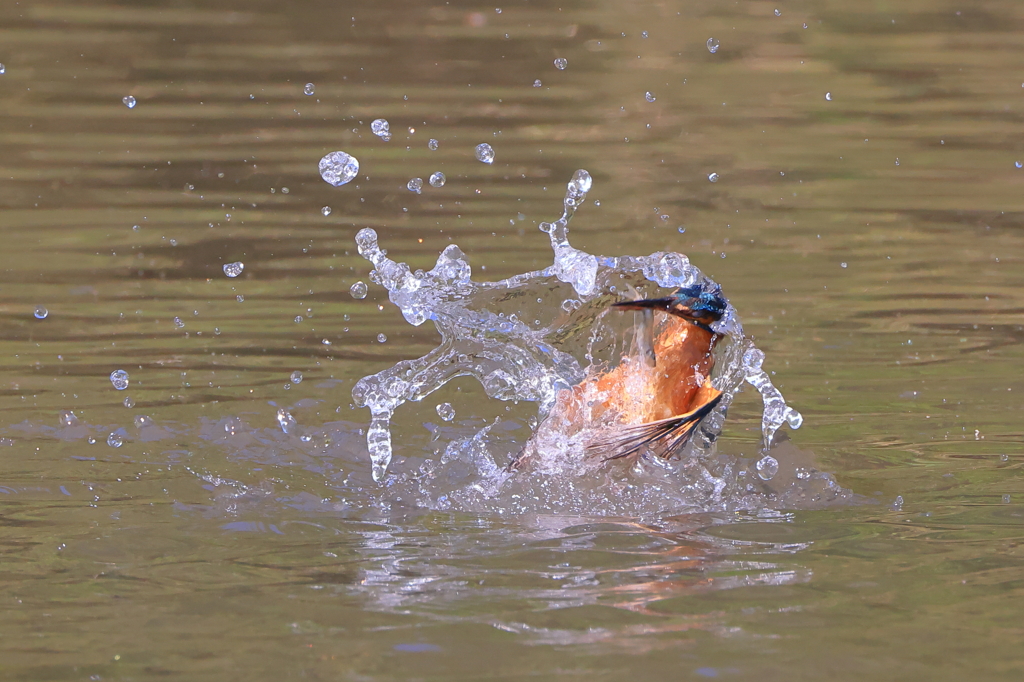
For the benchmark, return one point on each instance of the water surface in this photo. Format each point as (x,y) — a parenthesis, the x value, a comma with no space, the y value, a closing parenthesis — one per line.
(865,223)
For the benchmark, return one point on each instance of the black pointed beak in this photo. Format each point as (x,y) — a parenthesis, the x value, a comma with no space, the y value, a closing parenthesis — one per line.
(665,304)
(680,307)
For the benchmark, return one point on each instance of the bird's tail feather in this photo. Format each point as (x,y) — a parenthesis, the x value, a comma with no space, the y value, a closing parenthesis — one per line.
(662,438)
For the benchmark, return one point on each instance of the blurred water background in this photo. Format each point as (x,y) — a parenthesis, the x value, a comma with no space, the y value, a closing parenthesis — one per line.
(850,172)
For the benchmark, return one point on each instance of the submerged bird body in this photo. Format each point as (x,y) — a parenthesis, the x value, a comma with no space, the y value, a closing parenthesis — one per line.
(653,400)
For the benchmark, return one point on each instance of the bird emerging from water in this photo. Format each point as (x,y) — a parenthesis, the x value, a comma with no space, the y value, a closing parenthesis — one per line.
(652,402)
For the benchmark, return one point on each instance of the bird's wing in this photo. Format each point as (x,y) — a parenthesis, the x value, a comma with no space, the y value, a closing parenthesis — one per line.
(663,437)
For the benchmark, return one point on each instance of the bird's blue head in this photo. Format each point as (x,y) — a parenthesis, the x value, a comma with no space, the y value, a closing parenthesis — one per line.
(700,303)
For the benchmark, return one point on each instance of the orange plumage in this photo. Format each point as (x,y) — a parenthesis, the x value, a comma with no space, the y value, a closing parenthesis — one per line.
(642,406)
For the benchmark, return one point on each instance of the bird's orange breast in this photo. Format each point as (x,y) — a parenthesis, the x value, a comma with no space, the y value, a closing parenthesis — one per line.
(638,393)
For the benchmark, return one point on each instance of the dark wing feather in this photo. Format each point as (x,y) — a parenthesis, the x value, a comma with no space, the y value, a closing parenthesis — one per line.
(662,437)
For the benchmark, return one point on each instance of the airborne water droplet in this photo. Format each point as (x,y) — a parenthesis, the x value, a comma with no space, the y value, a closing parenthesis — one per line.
(326,210)
(338,168)
(234,269)
(129,101)
(828,96)
(382,338)
(446,412)
(767,467)
(309,89)
(295,377)
(358,290)
(713,177)
(119,378)
(433,144)
(561,63)
(713,44)
(437,179)
(415,185)
(40,313)
(649,96)
(381,128)
(484,153)
(537,83)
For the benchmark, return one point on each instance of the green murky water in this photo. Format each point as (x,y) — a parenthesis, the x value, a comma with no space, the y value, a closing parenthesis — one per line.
(866,223)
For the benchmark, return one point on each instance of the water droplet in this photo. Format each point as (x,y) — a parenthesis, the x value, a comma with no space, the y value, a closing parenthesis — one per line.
(1018,164)
(437,179)
(298,318)
(115,440)
(1004,457)
(240,298)
(382,338)
(649,96)
(178,323)
(580,183)
(561,63)
(415,185)
(295,377)
(643,34)
(119,378)
(778,13)
(142,420)
(309,89)
(713,45)
(232,426)
(446,412)
(234,269)
(129,101)
(286,421)
(433,144)
(68,418)
(713,177)
(767,467)
(537,83)
(828,96)
(1006,499)
(129,403)
(485,153)
(897,160)
(752,360)
(358,290)
(3,70)
(381,128)
(338,168)
(326,210)
(40,312)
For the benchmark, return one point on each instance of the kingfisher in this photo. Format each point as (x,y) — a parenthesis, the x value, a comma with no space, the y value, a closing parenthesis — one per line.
(652,402)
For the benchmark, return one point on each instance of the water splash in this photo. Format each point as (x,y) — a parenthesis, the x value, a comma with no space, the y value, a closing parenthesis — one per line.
(527,337)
